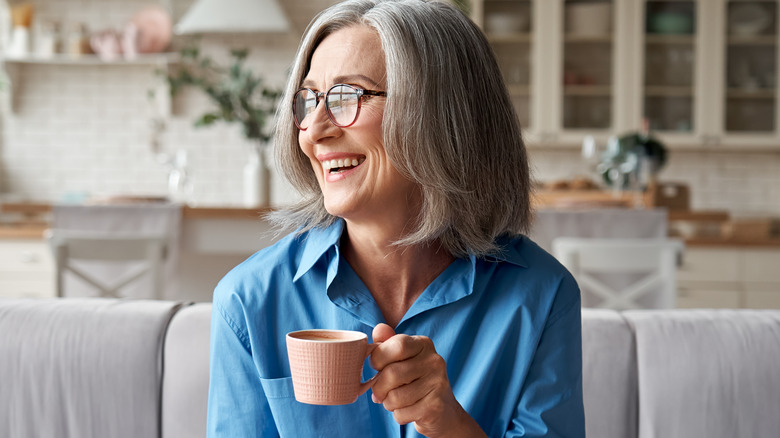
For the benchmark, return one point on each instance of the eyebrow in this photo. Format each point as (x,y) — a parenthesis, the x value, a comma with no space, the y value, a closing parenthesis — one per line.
(344,79)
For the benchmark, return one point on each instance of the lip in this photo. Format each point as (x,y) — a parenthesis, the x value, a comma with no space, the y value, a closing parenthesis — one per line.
(334,177)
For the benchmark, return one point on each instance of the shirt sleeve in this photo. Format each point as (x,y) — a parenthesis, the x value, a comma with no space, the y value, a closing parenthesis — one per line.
(237,406)
(550,403)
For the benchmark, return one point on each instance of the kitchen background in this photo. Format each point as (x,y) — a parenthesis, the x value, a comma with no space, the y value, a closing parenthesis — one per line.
(71,130)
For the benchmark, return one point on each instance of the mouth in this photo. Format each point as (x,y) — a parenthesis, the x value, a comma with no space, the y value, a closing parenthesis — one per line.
(342,165)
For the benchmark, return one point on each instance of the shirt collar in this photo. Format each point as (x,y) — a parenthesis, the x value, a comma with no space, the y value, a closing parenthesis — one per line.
(510,252)
(317,242)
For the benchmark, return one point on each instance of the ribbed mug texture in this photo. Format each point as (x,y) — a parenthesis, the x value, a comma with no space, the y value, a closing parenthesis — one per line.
(326,372)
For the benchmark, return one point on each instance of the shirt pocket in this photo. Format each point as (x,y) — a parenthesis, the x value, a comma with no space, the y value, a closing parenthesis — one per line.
(295,420)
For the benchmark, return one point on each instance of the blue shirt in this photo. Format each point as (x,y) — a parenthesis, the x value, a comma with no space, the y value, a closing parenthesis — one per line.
(508,329)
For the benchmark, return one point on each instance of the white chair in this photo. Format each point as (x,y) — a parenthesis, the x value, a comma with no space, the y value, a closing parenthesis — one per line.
(138,257)
(622,273)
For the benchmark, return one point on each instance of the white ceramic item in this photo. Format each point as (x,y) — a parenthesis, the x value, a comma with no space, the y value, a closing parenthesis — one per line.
(748,19)
(589,19)
(506,23)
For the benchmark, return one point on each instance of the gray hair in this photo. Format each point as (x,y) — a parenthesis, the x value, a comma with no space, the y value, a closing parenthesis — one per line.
(449,125)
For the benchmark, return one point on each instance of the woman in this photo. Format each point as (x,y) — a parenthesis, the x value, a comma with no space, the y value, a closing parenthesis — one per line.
(405,146)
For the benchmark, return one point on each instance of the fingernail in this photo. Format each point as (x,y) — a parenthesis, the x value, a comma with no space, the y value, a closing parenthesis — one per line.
(373,398)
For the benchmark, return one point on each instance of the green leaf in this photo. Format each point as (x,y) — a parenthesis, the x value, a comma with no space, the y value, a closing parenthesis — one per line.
(207,119)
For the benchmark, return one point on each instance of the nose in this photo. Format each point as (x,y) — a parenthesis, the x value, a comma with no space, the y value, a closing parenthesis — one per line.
(320,126)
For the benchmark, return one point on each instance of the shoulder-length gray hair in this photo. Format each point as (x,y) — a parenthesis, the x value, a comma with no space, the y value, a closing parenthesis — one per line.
(449,125)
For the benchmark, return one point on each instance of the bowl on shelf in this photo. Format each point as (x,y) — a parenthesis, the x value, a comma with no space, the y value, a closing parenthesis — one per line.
(588,19)
(506,23)
(748,19)
(671,23)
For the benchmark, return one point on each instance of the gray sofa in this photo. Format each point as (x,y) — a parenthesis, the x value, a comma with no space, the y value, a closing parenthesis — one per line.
(121,368)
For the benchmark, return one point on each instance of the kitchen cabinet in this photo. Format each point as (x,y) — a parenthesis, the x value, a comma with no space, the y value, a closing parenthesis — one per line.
(703,72)
(729,277)
(26,268)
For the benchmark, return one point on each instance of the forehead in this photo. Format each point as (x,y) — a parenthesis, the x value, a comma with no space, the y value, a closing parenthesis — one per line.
(347,53)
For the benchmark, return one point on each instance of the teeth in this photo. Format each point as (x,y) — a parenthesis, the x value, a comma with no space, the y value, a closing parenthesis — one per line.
(335,164)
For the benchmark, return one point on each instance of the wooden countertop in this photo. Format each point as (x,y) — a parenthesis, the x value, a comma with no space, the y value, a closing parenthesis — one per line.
(41,208)
(35,227)
(33,222)
(22,231)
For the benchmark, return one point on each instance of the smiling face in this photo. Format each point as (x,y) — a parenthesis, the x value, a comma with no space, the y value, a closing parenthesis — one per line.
(356,177)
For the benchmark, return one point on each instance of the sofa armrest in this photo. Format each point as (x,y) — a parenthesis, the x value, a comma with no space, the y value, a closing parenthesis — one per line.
(708,373)
(609,375)
(186,373)
(81,367)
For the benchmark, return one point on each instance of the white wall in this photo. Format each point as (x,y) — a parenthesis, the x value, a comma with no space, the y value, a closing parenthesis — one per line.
(86,129)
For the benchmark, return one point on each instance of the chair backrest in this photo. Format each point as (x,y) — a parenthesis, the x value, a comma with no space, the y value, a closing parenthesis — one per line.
(622,273)
(69,248)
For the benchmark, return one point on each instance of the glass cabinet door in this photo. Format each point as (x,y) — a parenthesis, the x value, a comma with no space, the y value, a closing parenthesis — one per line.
(508,25)
(588,57)
(751,52)
(668,98)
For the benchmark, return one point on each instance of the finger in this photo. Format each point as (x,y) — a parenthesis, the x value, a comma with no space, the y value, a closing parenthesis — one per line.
(407,395)
(404,383)
(382,332)
(427,415)
(394,375)
(399,348)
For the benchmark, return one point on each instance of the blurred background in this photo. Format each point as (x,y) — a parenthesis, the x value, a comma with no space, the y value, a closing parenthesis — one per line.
(628,104)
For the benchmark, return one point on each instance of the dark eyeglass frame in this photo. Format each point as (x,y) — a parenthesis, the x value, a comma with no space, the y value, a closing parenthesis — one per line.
(318,95)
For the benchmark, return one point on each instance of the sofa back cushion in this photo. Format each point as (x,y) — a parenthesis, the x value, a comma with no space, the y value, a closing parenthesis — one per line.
(81,367)
(708,373)
(609,379)
(186,373)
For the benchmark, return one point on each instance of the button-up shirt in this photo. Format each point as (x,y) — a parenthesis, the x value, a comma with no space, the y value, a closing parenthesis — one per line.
(508,328)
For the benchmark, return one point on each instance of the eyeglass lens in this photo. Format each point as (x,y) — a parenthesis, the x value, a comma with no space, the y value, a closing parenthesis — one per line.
(341,103)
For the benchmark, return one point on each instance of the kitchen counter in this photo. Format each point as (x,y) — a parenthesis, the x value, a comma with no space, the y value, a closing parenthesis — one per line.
(32,226)
(33,217)
(22,231)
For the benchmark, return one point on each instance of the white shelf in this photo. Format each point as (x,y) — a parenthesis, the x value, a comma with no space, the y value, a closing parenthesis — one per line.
(60,59)
(738,93)
(511,38)
(15,67)
(752,40)
(668,91)
(519,90)
(587,90)
(588,39)
(669,39)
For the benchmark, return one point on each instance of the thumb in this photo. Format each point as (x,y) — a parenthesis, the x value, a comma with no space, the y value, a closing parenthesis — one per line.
(382,332)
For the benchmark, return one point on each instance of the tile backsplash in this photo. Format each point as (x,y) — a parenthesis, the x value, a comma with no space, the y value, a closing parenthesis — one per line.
(85,130)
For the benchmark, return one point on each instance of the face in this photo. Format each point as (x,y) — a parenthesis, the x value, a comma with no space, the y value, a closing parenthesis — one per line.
(365,186)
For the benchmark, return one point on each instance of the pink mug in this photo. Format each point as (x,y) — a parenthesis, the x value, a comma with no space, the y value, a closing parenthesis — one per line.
(326,365)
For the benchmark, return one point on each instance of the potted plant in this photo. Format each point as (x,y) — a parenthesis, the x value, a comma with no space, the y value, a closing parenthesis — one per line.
(239,96)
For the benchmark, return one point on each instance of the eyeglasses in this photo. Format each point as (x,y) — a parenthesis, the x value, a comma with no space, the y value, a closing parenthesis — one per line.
(342,103)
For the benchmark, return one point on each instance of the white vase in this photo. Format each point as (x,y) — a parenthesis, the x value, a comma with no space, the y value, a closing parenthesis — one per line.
(257,180)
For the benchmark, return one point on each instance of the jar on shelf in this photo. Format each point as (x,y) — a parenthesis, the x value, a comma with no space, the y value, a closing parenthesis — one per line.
(48,39)
(76,40)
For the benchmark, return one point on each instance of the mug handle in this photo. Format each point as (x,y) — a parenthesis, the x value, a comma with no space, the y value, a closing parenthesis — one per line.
(364,386)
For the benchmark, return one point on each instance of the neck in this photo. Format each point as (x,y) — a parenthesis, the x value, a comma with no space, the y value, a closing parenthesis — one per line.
(395,275)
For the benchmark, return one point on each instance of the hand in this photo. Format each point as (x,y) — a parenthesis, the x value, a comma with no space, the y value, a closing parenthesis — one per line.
(412,383)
